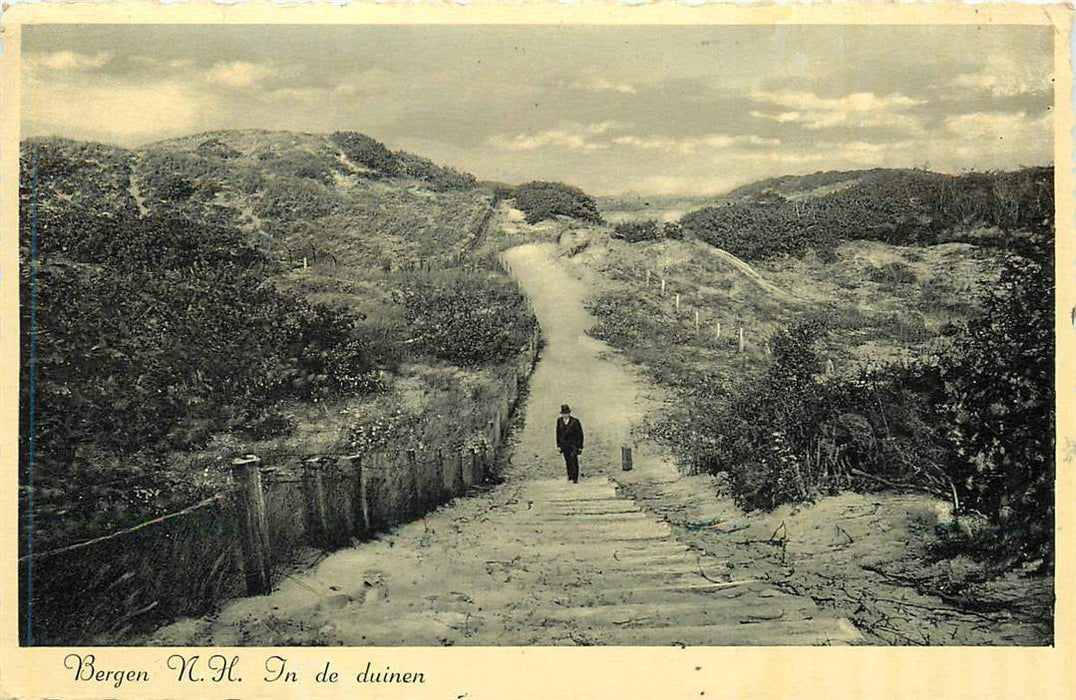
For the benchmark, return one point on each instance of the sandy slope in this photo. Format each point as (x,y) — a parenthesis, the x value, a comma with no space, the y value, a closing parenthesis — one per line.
(535,560)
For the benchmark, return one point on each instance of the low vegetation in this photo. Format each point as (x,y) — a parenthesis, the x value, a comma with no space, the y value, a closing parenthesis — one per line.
(647,230)
(208,296)
(907,361)
(967,427)
(899,207)
(546,200)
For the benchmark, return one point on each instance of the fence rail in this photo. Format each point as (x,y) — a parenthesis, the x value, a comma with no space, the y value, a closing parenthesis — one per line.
(236,542)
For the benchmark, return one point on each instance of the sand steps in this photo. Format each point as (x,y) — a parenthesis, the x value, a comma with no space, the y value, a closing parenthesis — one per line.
(600,570)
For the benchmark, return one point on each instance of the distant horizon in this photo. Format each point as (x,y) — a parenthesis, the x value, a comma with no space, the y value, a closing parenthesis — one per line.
(658,110)
(599,195)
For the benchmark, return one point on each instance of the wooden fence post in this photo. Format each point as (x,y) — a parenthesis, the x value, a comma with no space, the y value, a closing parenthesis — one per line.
(470,468)
(416,491)
(253,524)
(459,484)
(696,320)
(648,278)
(625,458)
(662,286)
(440,462)
(678,303)
(359,511)
(741,339)
(719,330)
(315,513)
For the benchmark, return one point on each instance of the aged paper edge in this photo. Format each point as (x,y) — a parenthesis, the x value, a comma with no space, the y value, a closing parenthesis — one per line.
(543,672)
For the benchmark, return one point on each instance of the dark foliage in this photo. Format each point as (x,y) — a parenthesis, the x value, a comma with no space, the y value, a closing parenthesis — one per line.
(466,319)
(673,230)
(975,428)
(173,178)
(892,273)
(1000,409)
(901,207)
(635,231)
(546,200)
(215,148)
(367,151)
(439,178)
(150,334)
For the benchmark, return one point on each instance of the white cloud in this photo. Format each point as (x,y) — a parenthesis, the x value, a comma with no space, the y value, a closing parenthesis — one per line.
(999,126)
(862,109)
(854,102)
(692,145)
(237,73)
(153,62)
(574,137)
(596,83)
(68,60)
(1004,76)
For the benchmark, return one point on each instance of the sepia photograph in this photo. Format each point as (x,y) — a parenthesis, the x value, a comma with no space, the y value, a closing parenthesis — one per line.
(531,335)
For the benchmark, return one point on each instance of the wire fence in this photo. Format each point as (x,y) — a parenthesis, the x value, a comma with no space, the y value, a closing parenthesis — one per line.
(239,541)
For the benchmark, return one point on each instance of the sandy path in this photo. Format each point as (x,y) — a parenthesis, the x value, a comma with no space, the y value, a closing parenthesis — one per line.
(536,560)
(602,389)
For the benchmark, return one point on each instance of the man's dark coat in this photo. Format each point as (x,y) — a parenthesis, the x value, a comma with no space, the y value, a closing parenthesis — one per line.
(570,436)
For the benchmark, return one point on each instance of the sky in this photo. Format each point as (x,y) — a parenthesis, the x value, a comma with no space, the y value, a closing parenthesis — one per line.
(661,110)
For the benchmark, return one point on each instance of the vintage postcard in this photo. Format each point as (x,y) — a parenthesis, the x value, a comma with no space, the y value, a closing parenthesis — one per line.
(540,351)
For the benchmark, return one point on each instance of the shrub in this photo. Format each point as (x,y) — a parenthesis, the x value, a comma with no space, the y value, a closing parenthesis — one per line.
(296,200)
(305,165)
(546,200)
(174,178)
(900,207)
(439,178)
(892,273)
(150,335)
(635,231)
(215,148)
(367,151)
(673,230)
(466,319)
(1000,388)
(976,427)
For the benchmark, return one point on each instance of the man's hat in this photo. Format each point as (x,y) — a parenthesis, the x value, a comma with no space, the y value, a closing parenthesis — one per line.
(564,409)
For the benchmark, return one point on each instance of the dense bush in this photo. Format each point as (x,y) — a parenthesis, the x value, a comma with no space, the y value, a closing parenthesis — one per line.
(367,151)
(297,163)
(900,207)
(440,178)
(171,178)
(215,148)
(673,230)
(975,427)
(892,273)
(635,231)
(286,200)
(546,200)
(1000,408)
(149,335)
(466,319)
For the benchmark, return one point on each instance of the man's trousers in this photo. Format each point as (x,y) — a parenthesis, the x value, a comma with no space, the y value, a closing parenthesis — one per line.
(571,461)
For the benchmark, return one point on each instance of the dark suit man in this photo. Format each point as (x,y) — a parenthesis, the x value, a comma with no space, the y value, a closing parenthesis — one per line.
(570,441)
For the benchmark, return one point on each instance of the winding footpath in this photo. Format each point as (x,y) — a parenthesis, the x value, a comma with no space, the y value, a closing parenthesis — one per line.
(536,560)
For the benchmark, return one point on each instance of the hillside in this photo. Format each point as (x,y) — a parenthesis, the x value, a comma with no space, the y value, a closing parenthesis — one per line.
(244,292)
(875,316)
(813,184)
